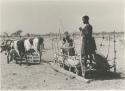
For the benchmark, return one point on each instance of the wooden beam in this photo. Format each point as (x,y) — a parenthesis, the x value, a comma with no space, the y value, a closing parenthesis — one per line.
(68,73)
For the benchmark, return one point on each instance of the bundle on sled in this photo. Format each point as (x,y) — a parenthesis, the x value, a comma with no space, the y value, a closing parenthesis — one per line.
(72,63)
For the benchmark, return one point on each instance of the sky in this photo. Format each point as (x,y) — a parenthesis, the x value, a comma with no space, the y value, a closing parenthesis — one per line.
(41,17)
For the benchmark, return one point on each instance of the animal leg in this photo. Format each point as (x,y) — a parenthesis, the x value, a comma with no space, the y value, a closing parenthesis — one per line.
(70,68)
(26,60)
(21,58)
(40,56)
(20,61)
(76,70)
(11,57)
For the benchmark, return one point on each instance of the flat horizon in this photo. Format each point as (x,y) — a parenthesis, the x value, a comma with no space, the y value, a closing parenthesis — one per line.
(41,17)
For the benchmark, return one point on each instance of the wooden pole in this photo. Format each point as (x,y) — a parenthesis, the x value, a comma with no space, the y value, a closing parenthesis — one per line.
(114,53)
(82,69)
(59,34)
(108,48)
(52,43)
(74,44)
(57,43)
(62,25)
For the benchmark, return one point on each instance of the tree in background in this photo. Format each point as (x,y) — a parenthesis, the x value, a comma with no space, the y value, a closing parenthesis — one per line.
(27,34)
(6,34)
(17,33)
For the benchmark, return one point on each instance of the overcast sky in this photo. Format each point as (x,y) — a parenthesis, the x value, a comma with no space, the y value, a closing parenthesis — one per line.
(40,17)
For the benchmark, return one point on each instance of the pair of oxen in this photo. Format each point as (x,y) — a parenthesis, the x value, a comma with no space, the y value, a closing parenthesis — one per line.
(22,47)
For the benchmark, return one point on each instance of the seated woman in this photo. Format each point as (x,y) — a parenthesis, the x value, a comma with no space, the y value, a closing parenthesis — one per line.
(68,42)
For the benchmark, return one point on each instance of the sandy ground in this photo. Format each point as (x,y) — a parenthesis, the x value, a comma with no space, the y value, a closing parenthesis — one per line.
(42,76)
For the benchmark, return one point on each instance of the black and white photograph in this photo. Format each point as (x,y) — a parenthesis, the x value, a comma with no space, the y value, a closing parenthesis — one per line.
(62,45)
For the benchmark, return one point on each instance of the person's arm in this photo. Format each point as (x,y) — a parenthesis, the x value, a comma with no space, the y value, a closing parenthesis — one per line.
(80,28)
(71,42)
(64,41)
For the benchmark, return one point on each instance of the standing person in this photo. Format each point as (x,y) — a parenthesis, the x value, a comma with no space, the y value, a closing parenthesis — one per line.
(88,43)
(68,42)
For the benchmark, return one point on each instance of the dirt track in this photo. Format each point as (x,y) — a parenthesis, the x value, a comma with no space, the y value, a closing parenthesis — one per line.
(44,77)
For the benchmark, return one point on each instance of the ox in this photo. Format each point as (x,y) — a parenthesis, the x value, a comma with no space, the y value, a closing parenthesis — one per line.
(25,46)
(13,48)
(22,47)
(34,44)
(5,46)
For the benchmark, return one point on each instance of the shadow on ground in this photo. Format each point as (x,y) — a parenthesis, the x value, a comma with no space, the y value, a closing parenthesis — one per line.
(102,70)
(92,74)
(104,75)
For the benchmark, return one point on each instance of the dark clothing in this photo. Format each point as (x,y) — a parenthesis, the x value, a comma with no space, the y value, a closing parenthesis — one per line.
(69,40)
(71,50)
(88,42)
(21,47)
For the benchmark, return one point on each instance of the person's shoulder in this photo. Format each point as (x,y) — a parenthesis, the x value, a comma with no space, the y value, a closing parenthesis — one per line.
(89,25)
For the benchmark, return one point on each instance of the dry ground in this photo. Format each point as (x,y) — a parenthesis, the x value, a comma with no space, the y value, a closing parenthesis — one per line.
(42,76)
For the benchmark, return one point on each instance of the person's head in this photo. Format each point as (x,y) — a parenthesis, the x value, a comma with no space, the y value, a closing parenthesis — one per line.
(66,34)
(85,19)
